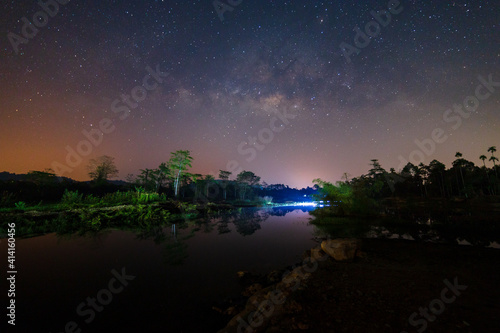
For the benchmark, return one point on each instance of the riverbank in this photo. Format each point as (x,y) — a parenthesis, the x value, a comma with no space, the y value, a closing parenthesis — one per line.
(84,218)
(388,289)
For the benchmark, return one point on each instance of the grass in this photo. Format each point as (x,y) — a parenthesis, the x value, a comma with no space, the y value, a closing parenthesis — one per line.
(73,199)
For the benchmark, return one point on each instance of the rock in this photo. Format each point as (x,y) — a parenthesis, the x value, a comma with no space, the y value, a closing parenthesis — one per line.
(302,326)
(317,253)
(250,290)
(341,249)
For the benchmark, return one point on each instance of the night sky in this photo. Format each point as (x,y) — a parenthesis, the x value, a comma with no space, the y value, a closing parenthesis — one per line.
(288,73)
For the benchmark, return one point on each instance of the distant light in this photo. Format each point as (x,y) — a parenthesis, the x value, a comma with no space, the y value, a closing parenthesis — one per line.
(311,204)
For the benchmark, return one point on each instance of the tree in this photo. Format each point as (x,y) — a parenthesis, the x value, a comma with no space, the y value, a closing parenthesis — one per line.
(492,150)
(458,163)
(224,176)
(493,159)
(436,173)
(208,181)
(179,162)
(44,177)
(246,179)
(198,182)
(376,169)
(483,158)
(160,175)
(339,195)
(146,179)
(102,168)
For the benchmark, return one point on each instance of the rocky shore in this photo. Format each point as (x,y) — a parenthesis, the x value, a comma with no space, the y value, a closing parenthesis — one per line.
(379,286)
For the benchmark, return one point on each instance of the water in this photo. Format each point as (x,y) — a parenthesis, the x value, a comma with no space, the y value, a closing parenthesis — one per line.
(475,230)
(174,279)
(177,276)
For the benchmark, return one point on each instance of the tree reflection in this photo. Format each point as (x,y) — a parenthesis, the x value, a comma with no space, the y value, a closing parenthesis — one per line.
(476,231)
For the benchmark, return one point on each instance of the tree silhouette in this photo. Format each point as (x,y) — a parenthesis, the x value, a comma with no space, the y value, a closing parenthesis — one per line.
(458,163)
(246,179)
(224,176)
(483,158)
(102,168)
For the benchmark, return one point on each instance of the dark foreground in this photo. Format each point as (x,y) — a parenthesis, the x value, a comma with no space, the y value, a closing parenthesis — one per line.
(390,289)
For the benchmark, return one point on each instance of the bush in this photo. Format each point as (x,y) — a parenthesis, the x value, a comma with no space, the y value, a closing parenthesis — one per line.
(91,200)
(71,197)
(20,205)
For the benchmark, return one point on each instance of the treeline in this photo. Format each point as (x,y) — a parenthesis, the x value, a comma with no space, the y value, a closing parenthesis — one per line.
(171,179)
(463,180)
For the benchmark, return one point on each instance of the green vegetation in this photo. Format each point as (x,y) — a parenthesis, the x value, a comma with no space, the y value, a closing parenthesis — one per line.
(422,187)
(168,194)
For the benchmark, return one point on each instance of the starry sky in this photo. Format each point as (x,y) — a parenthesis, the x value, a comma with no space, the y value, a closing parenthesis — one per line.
(291,90)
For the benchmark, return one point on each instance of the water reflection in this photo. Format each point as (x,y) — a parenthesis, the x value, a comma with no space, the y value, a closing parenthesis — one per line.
(482,231)
(243,221)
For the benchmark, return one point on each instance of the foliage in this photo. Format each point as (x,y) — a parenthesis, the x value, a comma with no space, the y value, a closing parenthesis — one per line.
(340,196)
(178,163)
(71,197)
(20,205)
(102,168)
(45,177)
(246,180)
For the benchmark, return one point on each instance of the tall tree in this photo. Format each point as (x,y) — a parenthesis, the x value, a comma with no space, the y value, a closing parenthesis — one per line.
(102,168)
(209,179)
(246,179)
(483,158)
(458,163)
(145,179)
(198,182)
(437,170)
(493,159)
(224,176)
(179,162)
(492,150)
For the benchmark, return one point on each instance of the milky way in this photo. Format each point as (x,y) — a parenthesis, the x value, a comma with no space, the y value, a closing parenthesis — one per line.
(291,90)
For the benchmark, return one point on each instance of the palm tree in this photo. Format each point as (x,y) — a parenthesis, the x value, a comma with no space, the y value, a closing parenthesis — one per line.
(483,158)
(493,159)
(492,150)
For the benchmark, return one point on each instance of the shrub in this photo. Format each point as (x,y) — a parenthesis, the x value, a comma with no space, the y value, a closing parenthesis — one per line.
(20,205)
(71,197)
